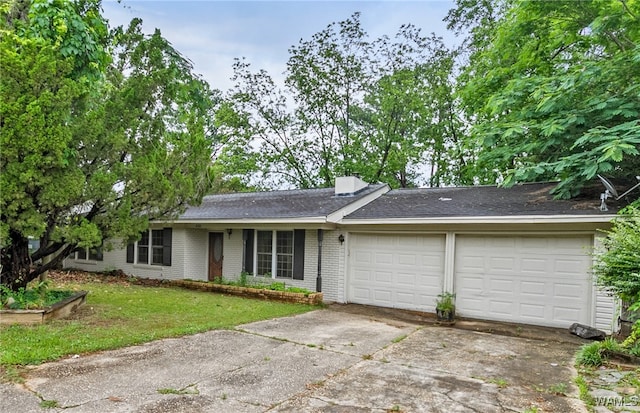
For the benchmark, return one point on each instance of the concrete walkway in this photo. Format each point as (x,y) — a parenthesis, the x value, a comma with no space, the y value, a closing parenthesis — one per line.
(324,361)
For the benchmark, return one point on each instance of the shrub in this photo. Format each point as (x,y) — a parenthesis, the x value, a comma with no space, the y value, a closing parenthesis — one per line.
(590,355)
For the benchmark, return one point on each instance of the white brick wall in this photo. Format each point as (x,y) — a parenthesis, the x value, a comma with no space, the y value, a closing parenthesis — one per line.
(232,255)
(333,266)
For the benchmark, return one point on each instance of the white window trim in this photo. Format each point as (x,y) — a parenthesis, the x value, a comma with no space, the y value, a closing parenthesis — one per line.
(150,247)
(274,253)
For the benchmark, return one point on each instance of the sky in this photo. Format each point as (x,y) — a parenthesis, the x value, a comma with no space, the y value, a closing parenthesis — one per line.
(213,33)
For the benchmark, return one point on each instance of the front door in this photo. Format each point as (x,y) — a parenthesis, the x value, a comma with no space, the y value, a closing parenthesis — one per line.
(215,255)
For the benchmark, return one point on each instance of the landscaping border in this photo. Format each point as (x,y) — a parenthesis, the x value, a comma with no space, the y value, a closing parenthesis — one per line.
(60,309)
(285,296)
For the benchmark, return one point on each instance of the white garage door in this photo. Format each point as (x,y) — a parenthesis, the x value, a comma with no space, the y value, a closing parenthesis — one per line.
(533,280)
(399,271)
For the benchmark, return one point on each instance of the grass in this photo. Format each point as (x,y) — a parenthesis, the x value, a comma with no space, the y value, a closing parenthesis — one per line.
(119,315)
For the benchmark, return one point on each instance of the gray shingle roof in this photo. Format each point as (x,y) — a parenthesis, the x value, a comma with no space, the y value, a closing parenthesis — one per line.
(300,203)
(519,200)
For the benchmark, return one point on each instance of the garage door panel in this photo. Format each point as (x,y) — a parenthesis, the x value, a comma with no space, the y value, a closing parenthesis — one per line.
(501,307)
(502,286)
(569,268)
(567,291)
(413,267)
(361,293)
(545,278)
(407,259)
(382,258)
(534,265)
(362,257)
(501,264)
(533,288)
(382,296)
(533,311)
(362,275)
(566,314)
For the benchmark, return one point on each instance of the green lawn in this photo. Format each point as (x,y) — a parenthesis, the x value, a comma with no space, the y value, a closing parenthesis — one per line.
(118,315)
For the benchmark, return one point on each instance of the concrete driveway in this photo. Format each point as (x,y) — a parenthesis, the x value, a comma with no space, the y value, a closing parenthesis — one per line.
(328,360)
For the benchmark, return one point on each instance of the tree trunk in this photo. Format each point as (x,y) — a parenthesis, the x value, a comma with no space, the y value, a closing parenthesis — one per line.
(16,262)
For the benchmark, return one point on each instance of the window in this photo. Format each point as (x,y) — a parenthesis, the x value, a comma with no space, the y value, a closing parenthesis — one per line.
(264,253)
(154,247)
(90,254)
(279,254)
(143,248)
(284,254)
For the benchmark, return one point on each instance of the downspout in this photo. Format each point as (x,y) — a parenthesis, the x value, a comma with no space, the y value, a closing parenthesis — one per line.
(319,277)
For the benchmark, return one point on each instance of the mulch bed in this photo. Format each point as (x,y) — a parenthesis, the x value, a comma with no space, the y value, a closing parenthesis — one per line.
(111,277)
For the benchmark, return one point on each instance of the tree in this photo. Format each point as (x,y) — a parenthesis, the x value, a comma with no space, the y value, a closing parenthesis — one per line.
(407,124)
(380,108)
(554,92)
(101,132)
(617,263)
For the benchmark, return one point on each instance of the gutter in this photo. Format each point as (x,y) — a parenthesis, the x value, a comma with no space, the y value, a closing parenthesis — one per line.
(523,219)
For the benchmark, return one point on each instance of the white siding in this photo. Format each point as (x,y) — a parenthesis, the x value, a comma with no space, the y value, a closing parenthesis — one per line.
(117,259)
(332,261)
(606,312)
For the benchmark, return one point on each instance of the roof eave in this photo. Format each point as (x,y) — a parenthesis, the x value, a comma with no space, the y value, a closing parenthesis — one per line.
(244,221)
(521,219)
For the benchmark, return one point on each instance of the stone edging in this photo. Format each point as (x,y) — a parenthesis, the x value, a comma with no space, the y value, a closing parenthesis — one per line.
(286,296)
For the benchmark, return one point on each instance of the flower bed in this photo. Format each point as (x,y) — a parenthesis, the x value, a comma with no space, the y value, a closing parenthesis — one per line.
(286,296)
(61,309)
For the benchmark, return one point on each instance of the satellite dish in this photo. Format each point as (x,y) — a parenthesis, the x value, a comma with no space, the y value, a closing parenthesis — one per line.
(609,186)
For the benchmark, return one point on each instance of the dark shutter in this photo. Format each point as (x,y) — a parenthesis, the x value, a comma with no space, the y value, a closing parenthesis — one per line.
(130,252)
(166,246)
(247,237)
(298,254)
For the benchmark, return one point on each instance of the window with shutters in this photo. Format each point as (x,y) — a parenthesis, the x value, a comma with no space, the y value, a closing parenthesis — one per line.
(153,247)
(284,254)
(156,247)
(264,253)
(143,249)
(279,254)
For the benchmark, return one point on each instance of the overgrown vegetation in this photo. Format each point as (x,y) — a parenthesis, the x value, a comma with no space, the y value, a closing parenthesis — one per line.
(119,314)
(617,269)
(243,281)
(37,296)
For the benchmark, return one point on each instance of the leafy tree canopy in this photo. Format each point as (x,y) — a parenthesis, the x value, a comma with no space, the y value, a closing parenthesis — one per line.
(552,89)
(101,131)
(382,108)
(617,262)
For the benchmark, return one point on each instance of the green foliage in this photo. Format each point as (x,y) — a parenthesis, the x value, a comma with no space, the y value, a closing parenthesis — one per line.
(617,261)
(273,286)
(379,108)
(101,132)
(127,315)
(553,89)
(38,296)
(446,302)
(592,355)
